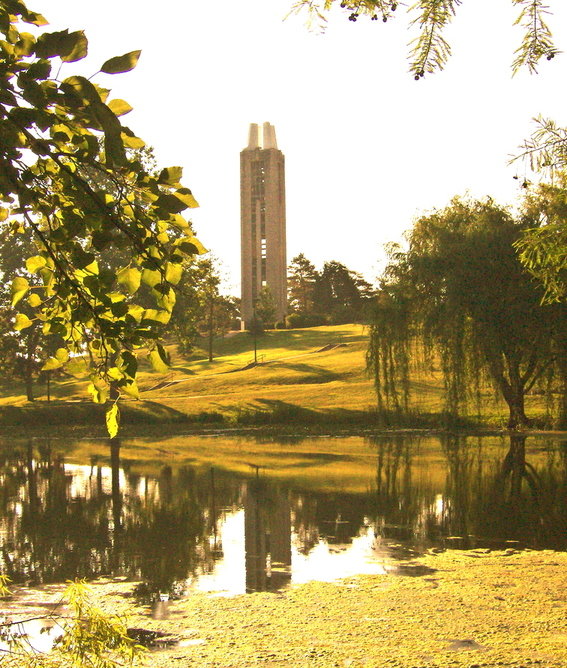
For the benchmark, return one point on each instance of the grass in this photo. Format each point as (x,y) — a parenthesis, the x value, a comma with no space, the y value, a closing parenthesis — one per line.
(314,376)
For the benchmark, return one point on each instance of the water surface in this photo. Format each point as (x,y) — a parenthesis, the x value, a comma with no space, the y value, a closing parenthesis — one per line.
(235,515)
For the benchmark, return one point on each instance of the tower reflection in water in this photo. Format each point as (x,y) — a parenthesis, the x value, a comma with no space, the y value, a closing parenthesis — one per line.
(267,537)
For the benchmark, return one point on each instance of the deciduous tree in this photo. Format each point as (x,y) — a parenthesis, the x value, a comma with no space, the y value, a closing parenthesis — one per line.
(461,292)
(55,133)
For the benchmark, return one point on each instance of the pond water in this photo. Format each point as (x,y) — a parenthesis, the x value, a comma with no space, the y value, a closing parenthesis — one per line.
(235,515)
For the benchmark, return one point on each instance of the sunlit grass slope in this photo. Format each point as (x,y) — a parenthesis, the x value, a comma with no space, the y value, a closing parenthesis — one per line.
(315,375)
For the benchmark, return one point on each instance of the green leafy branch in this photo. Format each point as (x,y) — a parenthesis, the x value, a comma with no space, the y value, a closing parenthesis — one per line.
(111,241)
(430,50)
(89,636)
(537,41)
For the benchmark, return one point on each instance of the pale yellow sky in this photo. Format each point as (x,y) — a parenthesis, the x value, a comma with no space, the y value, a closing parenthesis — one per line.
(367,148)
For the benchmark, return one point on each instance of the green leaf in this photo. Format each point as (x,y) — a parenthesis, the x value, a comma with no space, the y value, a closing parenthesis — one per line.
(77,367)
(18,289)
(62,354)
(171,203)
(191,246)
(173,273)
(119,107)
(130,278)
(157,361)
(22,321)
(120,64)
(113,420)
(130,140)
(151,277)
(68,46)
(170,176)
(156,315)
(76,47)
(35,263)
(52,363)
(34,300)
(186,196)
(98,392)
(131,388)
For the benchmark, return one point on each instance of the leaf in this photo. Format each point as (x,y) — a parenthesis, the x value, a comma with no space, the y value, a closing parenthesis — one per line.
(22,321)
(151,277)
(156,315)
(120,64)
(35,263)
(113,420)
(131,388)
(170,175)
(173,273)
(75,47)
(170,203)
(70,47)
(186,196)
(130,140)
(52,363)
(191,246)
(98,393)
(77,367)
(130,279)
(18,289)
(62,354)
(34,300)
(3,214)
(157,361)
(119,107)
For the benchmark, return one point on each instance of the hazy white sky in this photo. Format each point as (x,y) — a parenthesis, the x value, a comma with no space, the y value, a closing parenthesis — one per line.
(367,148)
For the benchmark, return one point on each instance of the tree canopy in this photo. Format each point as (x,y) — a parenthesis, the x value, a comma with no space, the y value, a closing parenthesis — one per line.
(61,143)
(459,297)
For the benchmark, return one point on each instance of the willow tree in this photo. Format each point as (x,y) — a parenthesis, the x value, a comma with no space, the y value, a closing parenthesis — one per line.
(459,294)
(61,144)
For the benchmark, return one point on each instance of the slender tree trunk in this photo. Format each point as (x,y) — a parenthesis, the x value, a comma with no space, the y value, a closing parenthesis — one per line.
(211,331)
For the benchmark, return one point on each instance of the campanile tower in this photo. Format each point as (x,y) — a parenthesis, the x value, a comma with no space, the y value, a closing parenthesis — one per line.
(262,221)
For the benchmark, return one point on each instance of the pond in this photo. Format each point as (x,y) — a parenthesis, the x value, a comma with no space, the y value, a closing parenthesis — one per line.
(231,515)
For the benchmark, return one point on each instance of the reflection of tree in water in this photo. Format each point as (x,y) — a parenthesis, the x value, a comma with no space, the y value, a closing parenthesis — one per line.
(483,503)
(56,525)
(45,527)
(528,504)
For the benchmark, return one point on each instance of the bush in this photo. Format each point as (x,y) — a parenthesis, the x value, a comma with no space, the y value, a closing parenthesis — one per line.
(295,320)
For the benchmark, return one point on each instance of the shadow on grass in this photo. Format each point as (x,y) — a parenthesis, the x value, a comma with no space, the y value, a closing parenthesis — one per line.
(77,413)
(275,411)
(311,374)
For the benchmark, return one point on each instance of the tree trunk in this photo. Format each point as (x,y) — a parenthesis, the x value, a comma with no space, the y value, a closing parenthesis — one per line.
(516,405)
(211,329)
(28,378)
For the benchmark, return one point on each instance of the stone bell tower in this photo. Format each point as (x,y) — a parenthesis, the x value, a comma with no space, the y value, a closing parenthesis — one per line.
(262,221)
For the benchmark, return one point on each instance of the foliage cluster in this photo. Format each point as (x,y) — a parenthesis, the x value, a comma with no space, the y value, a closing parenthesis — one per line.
(87,636)
(335,295)
(61,145)
(429,48)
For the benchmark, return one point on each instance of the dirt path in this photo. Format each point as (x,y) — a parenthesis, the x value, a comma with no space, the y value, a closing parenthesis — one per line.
(472,609)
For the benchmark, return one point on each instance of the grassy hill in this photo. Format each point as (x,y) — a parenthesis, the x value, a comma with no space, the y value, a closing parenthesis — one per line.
(303,376)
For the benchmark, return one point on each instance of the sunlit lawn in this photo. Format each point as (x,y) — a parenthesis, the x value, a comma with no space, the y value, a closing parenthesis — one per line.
(295,381)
